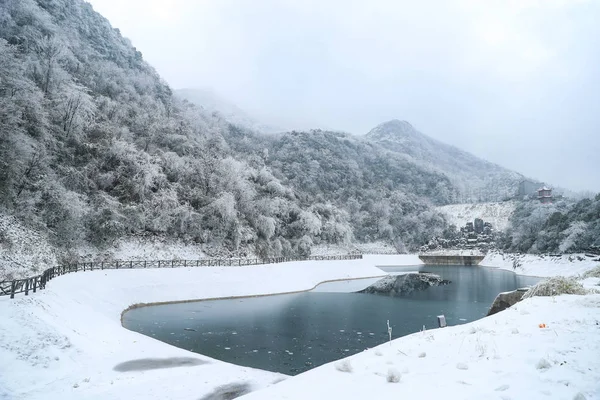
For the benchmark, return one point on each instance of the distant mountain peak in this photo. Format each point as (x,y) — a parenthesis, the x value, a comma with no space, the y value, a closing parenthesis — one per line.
(393,130)
(477,179)
(397,123)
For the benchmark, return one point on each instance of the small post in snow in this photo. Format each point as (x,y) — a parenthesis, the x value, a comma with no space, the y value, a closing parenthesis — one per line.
(389,331)
(441,321)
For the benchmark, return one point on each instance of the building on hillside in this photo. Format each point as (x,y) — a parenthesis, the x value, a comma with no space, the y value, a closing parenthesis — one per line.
(478,226)
(528,188)
(470,227)
(545,195)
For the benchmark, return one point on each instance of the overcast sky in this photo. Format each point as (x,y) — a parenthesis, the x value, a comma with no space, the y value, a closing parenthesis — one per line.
(516,82)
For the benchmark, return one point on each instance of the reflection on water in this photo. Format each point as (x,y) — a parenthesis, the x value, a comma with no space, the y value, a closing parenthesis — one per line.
(295,332)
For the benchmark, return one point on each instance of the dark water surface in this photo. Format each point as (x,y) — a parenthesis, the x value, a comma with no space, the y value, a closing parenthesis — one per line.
(292,333)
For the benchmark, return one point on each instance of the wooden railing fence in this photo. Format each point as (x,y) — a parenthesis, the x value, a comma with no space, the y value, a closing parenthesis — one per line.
(10,288)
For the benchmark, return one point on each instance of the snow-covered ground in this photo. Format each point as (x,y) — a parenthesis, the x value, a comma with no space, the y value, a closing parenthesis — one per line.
(138,249)
(541,265)
(379,247)
(23,251)
(497,214)
(66,342)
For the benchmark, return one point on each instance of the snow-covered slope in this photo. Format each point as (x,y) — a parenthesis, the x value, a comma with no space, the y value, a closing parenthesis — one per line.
(541,265)
(497,213)
(23,251)
(64,342)
(475,178)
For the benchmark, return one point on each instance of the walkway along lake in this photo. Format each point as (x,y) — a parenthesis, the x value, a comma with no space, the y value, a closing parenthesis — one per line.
(293,333)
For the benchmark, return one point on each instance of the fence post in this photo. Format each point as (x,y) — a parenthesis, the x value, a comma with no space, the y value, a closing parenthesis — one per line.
(102,265)
(144,263)
(158,263)
(35,281)
(27,287)
(12,289)
(117,265)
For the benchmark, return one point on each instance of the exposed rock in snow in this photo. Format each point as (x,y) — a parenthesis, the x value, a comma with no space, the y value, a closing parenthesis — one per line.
(402,285)
(506,300)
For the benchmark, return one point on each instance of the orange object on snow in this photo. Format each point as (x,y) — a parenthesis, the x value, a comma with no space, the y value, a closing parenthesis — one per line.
(542,325)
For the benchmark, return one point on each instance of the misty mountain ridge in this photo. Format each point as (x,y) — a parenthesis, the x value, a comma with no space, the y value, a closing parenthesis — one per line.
(212,102)
(475,179)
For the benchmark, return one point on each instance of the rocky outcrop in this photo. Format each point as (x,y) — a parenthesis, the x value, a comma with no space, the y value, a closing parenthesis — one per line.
(506,300)
(403,285)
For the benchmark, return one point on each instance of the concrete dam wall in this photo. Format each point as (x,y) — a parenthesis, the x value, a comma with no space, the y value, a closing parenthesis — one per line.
(451,260)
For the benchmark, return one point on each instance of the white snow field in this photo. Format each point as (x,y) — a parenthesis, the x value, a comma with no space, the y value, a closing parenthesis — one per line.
(498,213)
(65,341)
(541,265)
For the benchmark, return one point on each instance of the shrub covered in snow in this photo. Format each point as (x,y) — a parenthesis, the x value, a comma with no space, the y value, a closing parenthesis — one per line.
(393,375)
(343,366)
(555,287)
(543,364)
(594,273)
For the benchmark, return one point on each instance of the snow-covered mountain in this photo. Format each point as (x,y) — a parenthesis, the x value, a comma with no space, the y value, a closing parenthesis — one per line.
(212,102)
(475,178)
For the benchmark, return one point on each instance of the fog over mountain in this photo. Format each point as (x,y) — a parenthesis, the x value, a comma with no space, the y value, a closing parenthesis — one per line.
(513,82)
(210,101)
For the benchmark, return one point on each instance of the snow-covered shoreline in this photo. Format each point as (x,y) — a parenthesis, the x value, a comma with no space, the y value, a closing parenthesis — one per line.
(542,266)
(65,341)
(506,356)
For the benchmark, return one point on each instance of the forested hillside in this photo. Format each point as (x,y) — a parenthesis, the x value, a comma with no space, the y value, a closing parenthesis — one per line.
(94,147)
(475,179)
(560,227)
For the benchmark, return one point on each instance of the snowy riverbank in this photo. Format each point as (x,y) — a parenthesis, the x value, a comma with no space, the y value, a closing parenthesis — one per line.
(65,342)
(506,356)
(541,265)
